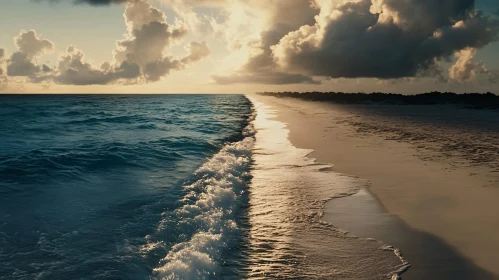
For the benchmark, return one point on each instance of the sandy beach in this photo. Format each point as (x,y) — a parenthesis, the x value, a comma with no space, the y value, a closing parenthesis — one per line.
(433,187)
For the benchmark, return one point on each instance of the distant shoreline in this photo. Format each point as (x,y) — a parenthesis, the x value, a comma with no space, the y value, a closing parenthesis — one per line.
(468,100)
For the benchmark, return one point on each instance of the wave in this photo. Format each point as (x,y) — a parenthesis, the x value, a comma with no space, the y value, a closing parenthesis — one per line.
(76,163)
(209,217)
(97,184)
(282,235)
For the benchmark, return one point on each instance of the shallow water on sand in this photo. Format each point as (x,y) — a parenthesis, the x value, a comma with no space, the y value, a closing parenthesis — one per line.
(287,238)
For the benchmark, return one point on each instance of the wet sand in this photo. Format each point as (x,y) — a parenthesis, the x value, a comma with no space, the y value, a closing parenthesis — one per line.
(430,257)
(439,207)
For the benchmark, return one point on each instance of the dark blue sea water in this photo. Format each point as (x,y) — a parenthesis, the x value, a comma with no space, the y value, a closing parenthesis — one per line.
(121,187)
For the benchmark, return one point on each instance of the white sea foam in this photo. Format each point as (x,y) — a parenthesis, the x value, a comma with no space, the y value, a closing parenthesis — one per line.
(210,207)
(287,238)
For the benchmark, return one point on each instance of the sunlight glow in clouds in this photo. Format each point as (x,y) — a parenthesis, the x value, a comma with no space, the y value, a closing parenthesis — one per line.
(276,42)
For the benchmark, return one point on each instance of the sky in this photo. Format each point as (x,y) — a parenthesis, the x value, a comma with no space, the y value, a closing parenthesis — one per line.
(245,46)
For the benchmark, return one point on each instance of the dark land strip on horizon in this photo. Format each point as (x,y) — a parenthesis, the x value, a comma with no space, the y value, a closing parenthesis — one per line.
(468,100)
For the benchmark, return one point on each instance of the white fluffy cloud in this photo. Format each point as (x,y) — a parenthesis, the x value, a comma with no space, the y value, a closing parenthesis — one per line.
(31,45)
(22,62)
(465,70)
(149,35)
(139,57)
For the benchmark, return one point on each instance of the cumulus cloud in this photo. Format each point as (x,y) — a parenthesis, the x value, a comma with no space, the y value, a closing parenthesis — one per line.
(277,18)
(384,38)
(2,54)
(30,46)
(139,57)
(295,41)
(464,70)
(298,41)
(101,2)
(149,35)
(19,65)
(73,70)
(91,2)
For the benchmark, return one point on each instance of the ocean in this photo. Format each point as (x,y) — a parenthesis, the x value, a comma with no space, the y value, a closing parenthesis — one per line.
(168,187)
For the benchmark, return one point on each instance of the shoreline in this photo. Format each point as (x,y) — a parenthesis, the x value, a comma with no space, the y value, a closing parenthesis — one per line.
(288,193)
(430,257)
(395,171)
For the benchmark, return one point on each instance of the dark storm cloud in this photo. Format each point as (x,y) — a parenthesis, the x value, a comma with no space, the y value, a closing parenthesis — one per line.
(385,38)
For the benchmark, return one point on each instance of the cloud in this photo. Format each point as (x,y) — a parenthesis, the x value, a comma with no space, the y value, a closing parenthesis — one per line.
(197,51)
(22,62)
(19,65)
(73,70)
(31,45)
(148,36)
(296,41)
(464,70)
(139,57)
(384,38)
(159,68)
(2,54)
(3,82)
(101,2)
(266,78)
(91,2)
(277,18)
